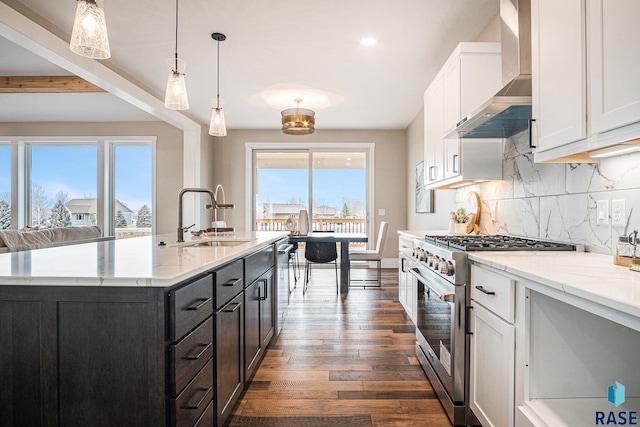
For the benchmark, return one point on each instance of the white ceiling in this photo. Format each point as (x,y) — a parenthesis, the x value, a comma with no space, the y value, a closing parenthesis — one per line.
(273,45)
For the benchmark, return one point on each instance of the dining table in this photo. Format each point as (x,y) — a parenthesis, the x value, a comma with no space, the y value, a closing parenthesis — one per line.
(344,239)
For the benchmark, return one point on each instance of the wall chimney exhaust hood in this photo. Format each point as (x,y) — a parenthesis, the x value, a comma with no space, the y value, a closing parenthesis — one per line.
(509,111)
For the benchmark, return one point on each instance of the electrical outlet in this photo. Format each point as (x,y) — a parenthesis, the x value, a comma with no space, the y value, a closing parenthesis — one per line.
(618,213)
(602,212)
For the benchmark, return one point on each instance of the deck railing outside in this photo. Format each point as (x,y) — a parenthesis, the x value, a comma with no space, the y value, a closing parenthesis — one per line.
(339,225)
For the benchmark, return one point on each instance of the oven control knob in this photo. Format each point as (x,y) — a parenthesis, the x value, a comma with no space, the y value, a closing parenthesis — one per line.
(433,261)
(446,267)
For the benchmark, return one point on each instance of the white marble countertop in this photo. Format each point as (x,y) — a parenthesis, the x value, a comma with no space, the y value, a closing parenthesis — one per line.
(588,275)
(138,261)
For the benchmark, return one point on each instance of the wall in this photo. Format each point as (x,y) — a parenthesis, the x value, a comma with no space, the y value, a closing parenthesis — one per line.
(168,155)
(557,201)
(227,163)
(443,200)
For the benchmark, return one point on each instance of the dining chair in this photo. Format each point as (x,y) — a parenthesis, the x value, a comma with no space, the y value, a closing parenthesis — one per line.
(371,255)
(319,253)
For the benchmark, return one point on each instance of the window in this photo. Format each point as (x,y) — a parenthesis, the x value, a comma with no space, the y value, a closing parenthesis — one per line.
(79,181)
(331,182)
(5,186)
(63,182)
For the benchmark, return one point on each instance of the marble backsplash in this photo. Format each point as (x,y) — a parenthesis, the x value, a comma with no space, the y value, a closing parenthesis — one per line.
(557,201)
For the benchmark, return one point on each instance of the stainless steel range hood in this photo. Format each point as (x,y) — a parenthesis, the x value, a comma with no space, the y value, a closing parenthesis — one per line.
(509,111)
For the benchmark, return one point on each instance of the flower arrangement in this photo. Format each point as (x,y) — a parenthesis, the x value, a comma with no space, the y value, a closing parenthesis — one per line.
(460,216)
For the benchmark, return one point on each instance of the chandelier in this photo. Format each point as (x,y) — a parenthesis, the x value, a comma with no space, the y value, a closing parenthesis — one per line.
(298,121)
(89,35)
(175,97)
(217,127)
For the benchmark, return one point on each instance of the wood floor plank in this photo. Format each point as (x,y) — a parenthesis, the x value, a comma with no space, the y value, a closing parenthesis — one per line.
(344,357)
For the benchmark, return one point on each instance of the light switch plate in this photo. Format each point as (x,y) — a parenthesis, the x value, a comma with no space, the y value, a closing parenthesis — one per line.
(602,212)
(382,212)
(618,213)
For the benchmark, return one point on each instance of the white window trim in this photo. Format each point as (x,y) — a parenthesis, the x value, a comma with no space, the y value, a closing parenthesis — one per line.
(313,146)
(20,173)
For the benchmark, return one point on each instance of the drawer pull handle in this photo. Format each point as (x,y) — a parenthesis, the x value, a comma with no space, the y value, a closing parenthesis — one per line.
(484,291)
(206,391)
(232,282)
(199,305)
(197,356)
(231,310)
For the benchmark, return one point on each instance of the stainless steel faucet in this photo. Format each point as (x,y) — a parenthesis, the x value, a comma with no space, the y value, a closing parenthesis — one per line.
(213,205)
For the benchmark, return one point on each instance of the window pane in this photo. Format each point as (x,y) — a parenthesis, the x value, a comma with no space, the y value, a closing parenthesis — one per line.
(282,188)
(5,187)
(133,190)
(339,191)
(63,184)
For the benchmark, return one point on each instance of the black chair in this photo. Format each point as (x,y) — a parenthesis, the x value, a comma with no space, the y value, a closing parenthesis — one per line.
(294,261)
(319,253)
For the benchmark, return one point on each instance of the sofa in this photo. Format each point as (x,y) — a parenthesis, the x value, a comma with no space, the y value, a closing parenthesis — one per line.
(30,238)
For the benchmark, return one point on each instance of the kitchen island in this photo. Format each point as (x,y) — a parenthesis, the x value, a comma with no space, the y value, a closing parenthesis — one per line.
(138,332)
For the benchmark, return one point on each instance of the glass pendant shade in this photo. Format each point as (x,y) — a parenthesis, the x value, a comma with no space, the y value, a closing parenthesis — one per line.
(175,97)
(217,126)
(298,121)
(89,36)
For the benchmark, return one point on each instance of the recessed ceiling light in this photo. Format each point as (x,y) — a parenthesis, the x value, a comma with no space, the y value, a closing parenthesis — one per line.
(368,41)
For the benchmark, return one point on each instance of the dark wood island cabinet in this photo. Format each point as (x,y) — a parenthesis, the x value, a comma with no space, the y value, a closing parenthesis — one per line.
(133,356)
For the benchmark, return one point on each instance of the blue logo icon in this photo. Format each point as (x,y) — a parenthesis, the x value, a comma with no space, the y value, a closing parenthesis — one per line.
(615,394)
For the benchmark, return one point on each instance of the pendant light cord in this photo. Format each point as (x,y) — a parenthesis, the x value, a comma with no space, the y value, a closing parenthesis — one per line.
(176,70)
(218,90)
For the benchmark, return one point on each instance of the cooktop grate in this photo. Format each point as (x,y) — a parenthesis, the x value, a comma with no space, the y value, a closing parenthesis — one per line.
(497,242)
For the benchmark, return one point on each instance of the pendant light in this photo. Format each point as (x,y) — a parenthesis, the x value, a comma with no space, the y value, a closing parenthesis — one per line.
(218,126)
(89,36)
(298,121)
(175,97)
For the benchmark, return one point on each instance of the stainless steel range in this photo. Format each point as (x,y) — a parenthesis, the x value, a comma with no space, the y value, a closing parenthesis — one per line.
(443,271)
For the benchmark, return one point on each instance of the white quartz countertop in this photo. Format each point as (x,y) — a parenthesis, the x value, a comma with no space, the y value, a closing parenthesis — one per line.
(140,261)
(591,276)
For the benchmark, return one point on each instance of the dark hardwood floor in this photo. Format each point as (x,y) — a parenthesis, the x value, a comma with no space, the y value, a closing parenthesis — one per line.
(342,362)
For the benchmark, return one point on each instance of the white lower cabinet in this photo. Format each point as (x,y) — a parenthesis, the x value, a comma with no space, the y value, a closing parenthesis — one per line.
(407,288)
(492,350)
(492,368)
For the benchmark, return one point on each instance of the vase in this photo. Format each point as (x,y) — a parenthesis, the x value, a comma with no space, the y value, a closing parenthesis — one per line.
(303,222)
(461,228)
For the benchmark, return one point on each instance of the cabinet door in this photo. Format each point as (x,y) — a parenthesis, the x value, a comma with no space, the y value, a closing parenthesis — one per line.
(402,281)
(251,328)
(451,102)
(614,36)
(451,157)
(492,368)
(25,399)
(229,356)
(559,73)
(433,116)
(267,307)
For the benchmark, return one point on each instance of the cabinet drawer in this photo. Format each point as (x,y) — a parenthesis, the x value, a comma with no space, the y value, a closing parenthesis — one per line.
(494,291)
(208,417)
(190,354)
(229,282)
(190,305)
(257,263)
(191,403)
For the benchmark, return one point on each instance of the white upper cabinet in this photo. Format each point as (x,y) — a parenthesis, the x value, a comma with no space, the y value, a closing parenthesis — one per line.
(614,61)
(559,89)
(586,93)
(433,116)
(471,76)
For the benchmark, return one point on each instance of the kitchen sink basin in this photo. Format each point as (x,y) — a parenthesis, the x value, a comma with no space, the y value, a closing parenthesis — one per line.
(217,243)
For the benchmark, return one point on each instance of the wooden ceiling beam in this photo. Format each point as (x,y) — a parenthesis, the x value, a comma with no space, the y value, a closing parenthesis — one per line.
(46,84)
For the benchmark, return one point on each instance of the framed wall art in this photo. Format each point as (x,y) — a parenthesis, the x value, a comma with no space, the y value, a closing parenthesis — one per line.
(424,197)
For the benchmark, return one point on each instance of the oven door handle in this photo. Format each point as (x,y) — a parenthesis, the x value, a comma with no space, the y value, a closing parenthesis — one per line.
(444,297)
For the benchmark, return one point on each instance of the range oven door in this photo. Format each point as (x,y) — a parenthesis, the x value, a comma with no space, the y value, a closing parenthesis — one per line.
(440,332)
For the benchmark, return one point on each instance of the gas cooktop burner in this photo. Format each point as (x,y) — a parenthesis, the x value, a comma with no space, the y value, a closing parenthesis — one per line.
(497,243)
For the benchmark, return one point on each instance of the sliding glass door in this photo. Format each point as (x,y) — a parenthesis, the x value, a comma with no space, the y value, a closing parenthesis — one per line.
(332,185)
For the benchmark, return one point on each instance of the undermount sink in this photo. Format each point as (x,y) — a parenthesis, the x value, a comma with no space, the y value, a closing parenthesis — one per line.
(212,241)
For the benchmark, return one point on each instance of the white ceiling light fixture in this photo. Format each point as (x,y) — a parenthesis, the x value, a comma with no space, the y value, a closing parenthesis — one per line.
(368,41)
(89,36)
(298,121)
(615,150)
(217,127)
(175,98)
